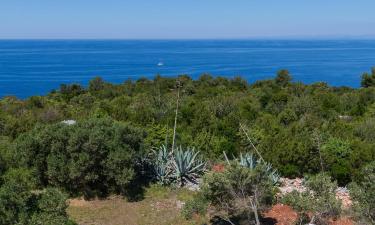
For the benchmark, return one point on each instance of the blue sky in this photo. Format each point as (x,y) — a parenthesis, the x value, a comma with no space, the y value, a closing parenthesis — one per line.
(189,19)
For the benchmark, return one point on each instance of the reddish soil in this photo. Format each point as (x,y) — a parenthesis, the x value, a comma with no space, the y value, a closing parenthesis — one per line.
(342,221)
(219,168)
(283,214)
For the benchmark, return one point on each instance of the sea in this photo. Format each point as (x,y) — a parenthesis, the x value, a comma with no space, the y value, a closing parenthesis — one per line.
(35,67)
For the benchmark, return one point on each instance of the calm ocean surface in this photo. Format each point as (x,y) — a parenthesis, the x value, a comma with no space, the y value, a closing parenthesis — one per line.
(36,67)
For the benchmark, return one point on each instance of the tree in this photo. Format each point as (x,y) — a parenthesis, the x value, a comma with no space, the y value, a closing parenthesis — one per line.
(283,78)
(368,80)
(70,91)
(96,84)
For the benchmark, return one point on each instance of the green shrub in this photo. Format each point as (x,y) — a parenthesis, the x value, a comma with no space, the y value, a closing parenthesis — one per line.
(16,197)
(21,204)
(93,157)
(239,191)
(363,195)
(51,209)
(318,199)
(197,205)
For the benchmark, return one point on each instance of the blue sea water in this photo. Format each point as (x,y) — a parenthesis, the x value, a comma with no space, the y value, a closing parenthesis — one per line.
(34,67)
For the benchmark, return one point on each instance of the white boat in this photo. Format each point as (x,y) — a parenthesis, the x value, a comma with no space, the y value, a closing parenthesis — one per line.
(160,64)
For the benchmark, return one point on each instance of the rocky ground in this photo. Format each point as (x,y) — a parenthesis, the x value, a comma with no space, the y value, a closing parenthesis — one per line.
(297,184)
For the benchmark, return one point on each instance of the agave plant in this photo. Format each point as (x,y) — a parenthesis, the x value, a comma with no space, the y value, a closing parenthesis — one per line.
(248,160)
(162,165)
(187,166)
(272,173)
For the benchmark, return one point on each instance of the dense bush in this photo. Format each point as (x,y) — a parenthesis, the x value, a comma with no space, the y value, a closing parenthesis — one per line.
(363,195)
(20,204)
(239,192)
(92,157)
(197,205)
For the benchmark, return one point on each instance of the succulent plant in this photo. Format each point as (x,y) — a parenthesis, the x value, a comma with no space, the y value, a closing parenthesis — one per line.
(187,166)
(162,165)
(248,160)
(272,173)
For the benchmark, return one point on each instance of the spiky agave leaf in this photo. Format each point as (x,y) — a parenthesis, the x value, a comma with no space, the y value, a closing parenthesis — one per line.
(187,166)
(248,160)
(162,165)
(272,173)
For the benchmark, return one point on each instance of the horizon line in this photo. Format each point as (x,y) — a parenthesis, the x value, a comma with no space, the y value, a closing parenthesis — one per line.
(282,37)
(197,39)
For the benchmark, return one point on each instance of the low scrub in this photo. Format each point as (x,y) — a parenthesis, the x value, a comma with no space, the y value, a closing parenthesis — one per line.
(363,195)
(238,193)
(318,203)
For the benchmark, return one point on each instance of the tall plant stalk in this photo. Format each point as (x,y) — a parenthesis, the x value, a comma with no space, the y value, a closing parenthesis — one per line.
(318,141)
(251,142)
(175,118)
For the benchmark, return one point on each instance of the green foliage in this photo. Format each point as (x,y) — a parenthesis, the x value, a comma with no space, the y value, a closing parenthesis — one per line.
(51,209)
(319,199)
(336,155)
(249,161)
(368,80)
(283,77)
(93,157)
(21,204)
(16,197)
(238,191)
(282,116)
(363,195)
(197,205)
(96,84)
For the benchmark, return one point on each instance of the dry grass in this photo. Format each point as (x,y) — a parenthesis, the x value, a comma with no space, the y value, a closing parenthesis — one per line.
(161,206)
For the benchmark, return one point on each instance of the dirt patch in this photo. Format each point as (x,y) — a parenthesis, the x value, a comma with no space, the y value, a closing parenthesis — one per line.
(342,221)
(283,214)
(163,210)
(78,202)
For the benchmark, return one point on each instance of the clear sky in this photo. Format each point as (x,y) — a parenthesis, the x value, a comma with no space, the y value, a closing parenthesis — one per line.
(188,19)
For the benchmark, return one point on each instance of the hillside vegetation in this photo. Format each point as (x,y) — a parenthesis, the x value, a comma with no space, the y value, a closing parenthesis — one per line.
(103,139)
